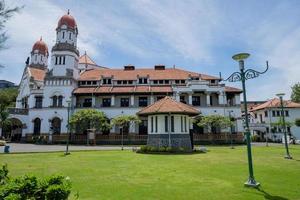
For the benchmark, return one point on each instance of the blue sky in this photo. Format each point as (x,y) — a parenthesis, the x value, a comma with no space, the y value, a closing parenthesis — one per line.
(195,35)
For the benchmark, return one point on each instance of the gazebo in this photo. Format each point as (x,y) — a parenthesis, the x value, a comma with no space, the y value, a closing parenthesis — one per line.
(169,123)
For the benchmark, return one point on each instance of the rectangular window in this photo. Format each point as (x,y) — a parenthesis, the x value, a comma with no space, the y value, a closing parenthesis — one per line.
(156,124)
(266,113)
(278,113)
(161,81)
(273,113)
(119,82)
(196,100)
(124,102)
(64,60)
(87,102)
(140,80)
(151,124)
(181,120)
(70,35)
(155,82)
(177,81)
(143,101)
(106,102)
(130,82)
(145,80)
(255,115)
(167,81)
(288,129)
(182,99)
(172,124)
(108,81)
(182,81)
(185,129)
(287,113)
(56,60)
(63,36)
(166,124)
(38,102)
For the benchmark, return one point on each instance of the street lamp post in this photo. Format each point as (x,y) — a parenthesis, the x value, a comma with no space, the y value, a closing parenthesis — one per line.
(288,156)
(242,76)
(68,129)
(231,142)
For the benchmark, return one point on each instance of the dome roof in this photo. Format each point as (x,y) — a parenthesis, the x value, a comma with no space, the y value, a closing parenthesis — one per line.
(41,46)
(67,20)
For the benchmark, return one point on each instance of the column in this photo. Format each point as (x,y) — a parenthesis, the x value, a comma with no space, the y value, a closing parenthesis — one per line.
(177,96)
(50,131)
(113,100)
(237,99)
(151,99)
(220,98)
(190,98)
(132,100)
(93,101)
(208,99)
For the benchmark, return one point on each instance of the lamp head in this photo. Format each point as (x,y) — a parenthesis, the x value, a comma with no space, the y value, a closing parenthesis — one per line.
(240,56)
(280,95)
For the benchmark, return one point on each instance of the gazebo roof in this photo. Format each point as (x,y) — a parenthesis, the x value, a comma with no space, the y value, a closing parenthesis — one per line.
(168,105)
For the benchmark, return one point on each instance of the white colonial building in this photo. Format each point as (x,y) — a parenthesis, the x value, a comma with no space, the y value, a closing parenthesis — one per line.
(265,117)
(44,93)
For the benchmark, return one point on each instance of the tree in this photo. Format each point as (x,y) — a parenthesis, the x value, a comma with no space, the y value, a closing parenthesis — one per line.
(124,120)
(7,98)
(295,96)
(215,121)
(5,14)
(297,122)
(87,119)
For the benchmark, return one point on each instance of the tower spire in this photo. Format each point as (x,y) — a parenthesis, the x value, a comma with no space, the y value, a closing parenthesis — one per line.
(41,38)
(68,11)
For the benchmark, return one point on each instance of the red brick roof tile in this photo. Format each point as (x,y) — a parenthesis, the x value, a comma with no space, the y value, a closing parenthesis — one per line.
(275,103)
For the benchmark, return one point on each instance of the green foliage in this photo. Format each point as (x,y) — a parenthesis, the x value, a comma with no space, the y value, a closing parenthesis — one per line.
(214,120)
(152,149)
(297,122)
(55,187)
(5,14)
(3,174)
(279,123)
(87,119)
(295,96)
(124,120)
(7,99)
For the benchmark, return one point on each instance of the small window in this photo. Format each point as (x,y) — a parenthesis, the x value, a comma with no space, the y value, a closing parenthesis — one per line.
(64,60)
(273,113)
(182,99)
(266,113)
(182,81)
(278,113)
(287,113)
(255,115)
(156,124)
(167,81)
(60,60)
(172,124)
(63,36)
(143,101)
(87,102)
(88,82)
(151,124)
(166,124)
(119,82)
(140,80)
(94,82)
(56,60)
(177,81)
(70,36)
(124,102)
(161,81)
(130,82)
(38,102)
(106,102)
(145,80)
(155,82)
(185,129)
(196,100)
(60,101)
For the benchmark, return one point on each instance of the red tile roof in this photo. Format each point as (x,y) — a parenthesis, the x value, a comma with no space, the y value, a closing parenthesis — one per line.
(85,59)
(232,89)
(168,105)
(67,20)
(122,89)
(37,74)
(275,103)
(121,74)
(41,46)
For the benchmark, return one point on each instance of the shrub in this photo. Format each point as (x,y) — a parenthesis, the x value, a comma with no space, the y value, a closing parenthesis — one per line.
(55,192)
(55,187)
(151,149)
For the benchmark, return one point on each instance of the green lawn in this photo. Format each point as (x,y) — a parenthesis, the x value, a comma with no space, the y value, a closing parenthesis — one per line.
(218,174)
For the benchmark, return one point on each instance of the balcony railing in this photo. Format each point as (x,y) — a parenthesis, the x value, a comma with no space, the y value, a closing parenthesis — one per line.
(18,111)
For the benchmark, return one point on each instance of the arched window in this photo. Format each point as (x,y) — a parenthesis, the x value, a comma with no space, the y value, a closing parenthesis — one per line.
(54,101)
(56,125)
(60,101)
(37,126)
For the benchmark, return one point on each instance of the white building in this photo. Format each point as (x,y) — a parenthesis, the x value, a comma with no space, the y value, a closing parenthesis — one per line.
(42,103)
(264,116)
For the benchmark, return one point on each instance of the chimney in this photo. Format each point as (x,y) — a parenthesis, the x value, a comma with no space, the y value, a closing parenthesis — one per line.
(129,67)
(159,67)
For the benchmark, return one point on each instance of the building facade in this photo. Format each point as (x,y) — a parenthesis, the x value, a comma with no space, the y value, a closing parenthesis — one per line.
(46,91)
(265,120)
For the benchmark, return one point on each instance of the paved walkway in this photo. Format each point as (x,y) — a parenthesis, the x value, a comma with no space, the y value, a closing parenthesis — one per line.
(27,148)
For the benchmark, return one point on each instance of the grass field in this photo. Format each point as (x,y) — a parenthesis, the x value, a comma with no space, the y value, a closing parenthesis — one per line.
(218,174)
